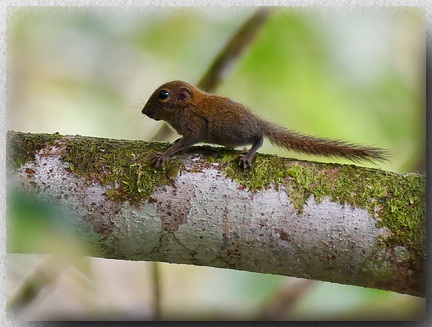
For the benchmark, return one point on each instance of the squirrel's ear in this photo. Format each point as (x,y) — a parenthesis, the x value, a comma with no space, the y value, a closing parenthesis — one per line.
(184,93)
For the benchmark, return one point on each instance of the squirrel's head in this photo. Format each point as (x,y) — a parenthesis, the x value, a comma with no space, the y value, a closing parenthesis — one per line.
(167,99)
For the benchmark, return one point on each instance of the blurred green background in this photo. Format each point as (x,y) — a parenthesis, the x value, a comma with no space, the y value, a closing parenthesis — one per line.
(355,74)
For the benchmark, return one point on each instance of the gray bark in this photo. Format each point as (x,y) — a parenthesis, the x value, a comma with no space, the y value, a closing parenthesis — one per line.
(200,213)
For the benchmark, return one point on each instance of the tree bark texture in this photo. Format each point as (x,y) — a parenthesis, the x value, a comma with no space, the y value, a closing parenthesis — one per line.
(331,222)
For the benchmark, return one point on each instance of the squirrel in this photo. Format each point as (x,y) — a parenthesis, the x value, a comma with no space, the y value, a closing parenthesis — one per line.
(209,118)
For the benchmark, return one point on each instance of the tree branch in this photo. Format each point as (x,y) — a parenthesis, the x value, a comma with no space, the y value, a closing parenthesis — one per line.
(331,222)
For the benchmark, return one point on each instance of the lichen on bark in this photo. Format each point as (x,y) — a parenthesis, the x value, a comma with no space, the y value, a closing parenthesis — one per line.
(376,190)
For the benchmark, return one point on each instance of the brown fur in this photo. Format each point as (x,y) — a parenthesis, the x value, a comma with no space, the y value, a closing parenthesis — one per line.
(203,117)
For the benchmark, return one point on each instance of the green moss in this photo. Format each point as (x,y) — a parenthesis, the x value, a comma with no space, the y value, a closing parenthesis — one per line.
(266,169)
(122,164)
(22,147)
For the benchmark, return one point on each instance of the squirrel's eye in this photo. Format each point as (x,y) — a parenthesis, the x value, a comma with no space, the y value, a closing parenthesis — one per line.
(163,95)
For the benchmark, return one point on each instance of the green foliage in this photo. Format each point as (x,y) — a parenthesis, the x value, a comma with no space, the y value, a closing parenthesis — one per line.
(79,70)
(309,70)
(29,218)
(292,76)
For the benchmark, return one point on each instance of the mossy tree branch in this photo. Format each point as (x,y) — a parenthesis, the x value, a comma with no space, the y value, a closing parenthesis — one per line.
(330,222)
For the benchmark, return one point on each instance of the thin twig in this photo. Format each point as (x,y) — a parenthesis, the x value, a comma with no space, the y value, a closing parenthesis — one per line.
(280,304)
(235,47)
(45,274)
(156,290)
(216,72)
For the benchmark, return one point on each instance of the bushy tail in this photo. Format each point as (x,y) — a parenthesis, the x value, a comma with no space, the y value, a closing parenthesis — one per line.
(285,138)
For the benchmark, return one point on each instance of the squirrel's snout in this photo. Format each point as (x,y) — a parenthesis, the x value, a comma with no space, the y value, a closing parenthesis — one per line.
(150,113)
(146,111)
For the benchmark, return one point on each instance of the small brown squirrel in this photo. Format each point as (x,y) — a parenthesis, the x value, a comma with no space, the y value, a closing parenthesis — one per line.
(204,117)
